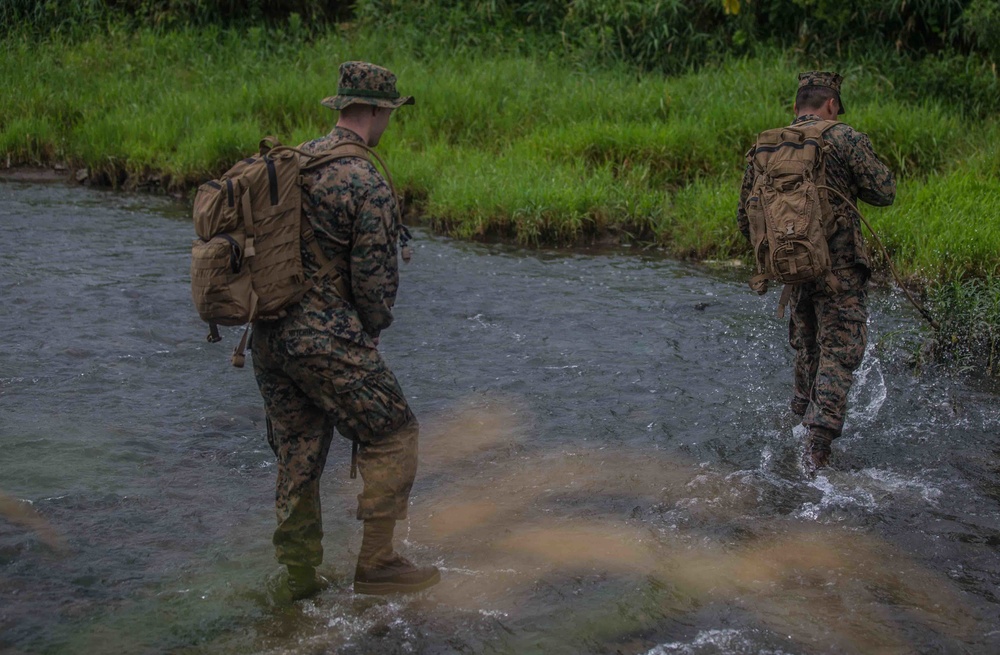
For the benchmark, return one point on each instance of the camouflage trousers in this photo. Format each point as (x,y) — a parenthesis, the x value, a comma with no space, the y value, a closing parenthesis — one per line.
(308,394)
(829,332)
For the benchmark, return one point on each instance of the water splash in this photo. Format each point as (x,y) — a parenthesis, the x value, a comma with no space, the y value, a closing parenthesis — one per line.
(710,642)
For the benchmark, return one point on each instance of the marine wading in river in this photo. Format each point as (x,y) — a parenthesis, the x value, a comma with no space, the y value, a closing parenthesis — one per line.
(302,244)
(805,233)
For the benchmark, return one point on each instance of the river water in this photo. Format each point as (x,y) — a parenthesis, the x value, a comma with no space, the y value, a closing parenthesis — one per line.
(607,463)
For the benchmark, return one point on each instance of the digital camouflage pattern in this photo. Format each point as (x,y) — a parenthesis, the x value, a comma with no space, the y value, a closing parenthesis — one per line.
(366,84)
(318,369)
(307,395)
(829,334)
(356,221)
(829,331)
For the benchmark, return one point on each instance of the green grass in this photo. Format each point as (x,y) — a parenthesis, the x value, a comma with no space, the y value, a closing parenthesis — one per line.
(532,148)
(969,312)
(946,227)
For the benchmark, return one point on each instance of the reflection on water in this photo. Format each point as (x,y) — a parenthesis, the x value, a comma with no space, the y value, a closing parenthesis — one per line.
(607,465)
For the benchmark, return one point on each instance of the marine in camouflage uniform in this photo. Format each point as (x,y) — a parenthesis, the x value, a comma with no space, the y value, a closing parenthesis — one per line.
(318,368)
(828,330)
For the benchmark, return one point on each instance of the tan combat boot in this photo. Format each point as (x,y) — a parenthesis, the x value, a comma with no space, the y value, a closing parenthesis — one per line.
(381,570)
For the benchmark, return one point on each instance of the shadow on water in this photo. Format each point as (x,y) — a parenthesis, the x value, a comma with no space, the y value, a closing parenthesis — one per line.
(607,466)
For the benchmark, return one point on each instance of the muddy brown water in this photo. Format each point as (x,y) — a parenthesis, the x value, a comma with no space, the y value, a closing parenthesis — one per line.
(607,464)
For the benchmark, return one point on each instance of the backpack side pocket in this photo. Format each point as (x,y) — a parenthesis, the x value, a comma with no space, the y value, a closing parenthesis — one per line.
(216,208)
(220,283)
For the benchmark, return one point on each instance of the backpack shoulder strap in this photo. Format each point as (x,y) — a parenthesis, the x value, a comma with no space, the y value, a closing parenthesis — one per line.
(326,265)
(826,125)
(353,149)
(312,160)
(350,149)
(339,151)
(818,129)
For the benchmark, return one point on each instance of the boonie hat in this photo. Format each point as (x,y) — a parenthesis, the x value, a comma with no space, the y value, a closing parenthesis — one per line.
(824,78)
(366,84)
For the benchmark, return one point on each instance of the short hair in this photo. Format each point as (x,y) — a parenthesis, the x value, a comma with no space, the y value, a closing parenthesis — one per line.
(814,97)
(356,109)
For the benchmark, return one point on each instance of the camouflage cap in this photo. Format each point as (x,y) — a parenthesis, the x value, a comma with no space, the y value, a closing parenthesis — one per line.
(824,78)
(366,84)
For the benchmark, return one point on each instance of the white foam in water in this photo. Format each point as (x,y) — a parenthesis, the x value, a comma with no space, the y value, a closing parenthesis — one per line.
(765,457)
(774,477)
(866,489)
(349,626)
(731,642)
(481,321)
(472,572)
(834,499)
(867,395)
(895,483)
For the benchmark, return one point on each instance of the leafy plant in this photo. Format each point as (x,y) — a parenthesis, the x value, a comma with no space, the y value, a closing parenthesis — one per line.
(969,313)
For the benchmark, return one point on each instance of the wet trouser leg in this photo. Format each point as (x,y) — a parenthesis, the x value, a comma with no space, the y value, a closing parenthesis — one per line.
(299,434)
(388,467)
(348,387)
(802,337)
(841,334)
(377,415)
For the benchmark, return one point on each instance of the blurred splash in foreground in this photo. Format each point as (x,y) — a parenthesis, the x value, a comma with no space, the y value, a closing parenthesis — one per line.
(609,546)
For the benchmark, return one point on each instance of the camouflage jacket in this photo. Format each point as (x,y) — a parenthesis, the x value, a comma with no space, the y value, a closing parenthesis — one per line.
(853,168)
(355,218)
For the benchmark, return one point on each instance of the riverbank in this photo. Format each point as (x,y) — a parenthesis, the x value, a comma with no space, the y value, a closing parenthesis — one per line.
(497,146)
(532,149)
(36,174)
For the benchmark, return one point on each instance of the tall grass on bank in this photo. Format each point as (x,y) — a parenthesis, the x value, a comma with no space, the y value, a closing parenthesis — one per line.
(945,50)
(527,148)
(969,313)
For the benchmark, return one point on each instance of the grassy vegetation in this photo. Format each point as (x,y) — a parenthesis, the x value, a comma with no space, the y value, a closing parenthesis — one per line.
(506,140)
(969,312)
(529,148)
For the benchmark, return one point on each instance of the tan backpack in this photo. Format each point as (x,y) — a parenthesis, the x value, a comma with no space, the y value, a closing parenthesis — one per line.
(246,264)
(789,210)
